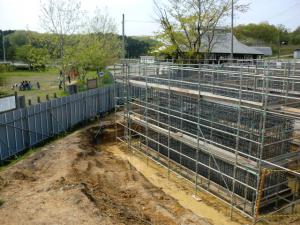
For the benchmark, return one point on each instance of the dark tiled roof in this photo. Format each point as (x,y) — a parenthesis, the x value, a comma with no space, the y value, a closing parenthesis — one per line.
(222,44)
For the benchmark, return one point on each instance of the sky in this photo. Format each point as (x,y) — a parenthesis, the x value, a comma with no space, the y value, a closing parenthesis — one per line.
(140,16)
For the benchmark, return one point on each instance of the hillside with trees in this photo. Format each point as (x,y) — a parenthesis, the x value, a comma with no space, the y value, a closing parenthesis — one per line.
(94,49)
(265,34)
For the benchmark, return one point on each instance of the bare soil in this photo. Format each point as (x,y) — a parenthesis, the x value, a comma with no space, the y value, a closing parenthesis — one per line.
(76,180)
(72,181)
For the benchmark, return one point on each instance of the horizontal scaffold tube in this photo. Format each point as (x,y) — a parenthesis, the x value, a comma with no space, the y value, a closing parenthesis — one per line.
(203,95)
(192,142)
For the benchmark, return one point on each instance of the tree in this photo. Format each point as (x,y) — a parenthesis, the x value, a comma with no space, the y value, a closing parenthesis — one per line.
(98,47)
(295,36)
(101,23)
(257,34)
(137,46)
(37,58)
(61,17)
(185,23)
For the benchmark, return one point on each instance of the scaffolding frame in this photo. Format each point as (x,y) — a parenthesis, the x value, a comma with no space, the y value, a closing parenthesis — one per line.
(172,113)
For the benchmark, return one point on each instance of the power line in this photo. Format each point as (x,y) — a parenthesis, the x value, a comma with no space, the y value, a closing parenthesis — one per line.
(284,11)
(141,21)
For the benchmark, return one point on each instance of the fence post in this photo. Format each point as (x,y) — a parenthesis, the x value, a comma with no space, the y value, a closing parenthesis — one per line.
(84,109)
(27,138)
(70,110)
(49,110)
(98,102)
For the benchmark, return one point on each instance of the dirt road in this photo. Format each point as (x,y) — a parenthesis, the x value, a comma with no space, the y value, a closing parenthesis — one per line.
(70,181)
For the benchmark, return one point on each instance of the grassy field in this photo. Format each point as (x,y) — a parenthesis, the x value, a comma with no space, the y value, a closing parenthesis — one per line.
(48,81)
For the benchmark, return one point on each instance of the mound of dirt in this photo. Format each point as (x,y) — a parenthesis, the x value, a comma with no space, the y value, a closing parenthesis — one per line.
(22,175)
(73,181)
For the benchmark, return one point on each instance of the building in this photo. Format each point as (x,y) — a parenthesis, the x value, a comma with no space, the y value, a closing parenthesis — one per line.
(267,51)
(220,47)
(297,54)
(147,59)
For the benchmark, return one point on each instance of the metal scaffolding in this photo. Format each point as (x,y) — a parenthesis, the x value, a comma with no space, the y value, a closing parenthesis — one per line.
(230,128)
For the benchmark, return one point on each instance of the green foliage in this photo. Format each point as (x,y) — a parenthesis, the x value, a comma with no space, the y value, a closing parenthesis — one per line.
(1,202)
(264,33)
(93,51)
(295,36)
(270,35)
(186,23)
(138,46)
(46,41)
(37,58)
(18,38)
(257,33)
(107,78)
(81,85)
(6,68)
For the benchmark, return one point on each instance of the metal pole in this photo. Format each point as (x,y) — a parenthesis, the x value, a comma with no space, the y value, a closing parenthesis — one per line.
(3,46)
(236,144)
(123,36)
(279,44)
(231,53)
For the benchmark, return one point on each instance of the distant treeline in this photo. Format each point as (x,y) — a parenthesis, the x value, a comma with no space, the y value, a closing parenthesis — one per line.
(265,34)
(17,45)
(39,49)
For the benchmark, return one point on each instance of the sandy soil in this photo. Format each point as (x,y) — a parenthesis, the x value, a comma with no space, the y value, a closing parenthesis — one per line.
(69,181)
(74,181)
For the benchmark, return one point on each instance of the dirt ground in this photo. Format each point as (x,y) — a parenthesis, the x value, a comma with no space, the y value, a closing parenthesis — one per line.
(69,181)
(74,181)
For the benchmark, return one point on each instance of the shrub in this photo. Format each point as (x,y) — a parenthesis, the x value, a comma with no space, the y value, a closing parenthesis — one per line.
(6,68)
(107,78)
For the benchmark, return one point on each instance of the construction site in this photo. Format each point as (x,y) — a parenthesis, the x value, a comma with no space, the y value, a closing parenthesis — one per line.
(169,143)
(231,129)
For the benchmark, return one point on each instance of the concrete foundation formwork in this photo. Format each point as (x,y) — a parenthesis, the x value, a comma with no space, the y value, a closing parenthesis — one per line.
(229,128)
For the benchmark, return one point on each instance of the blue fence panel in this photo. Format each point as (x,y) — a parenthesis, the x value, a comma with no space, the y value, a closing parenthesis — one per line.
(21,129)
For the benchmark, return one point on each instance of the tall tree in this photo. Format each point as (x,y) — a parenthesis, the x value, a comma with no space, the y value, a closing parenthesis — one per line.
(61,17)
(99,46)
(37,58)
(185,23)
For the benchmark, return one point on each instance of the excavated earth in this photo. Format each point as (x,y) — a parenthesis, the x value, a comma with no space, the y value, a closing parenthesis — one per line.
(74,181)
(80,179)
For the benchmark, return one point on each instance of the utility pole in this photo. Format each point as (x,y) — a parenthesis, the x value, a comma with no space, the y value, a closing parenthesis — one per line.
(123,37)
(279,44)
(231,53)
(3,47)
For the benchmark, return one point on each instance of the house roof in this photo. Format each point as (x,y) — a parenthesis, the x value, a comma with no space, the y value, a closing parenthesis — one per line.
(221,43)
(265,50)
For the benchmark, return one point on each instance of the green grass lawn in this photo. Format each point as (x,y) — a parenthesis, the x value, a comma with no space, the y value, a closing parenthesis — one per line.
(48,81)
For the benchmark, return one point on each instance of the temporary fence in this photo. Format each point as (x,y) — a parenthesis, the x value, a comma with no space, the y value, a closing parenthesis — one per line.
(24,128)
